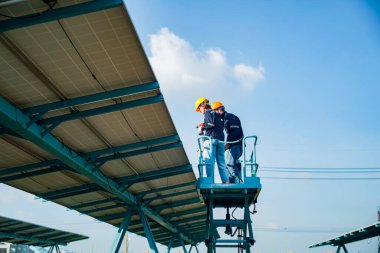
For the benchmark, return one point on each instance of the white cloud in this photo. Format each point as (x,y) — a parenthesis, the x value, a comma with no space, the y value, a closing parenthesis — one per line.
(248,75)
(186,74)
(181,68)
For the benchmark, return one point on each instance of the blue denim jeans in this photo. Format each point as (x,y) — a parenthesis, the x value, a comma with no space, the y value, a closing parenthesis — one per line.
(216,153)
(232,159)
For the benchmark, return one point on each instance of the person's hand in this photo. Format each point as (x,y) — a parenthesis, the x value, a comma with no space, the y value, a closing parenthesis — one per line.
(227,146)
(201,128)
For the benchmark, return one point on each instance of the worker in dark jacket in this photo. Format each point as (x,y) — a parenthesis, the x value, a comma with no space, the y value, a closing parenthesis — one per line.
(213,127)
(233,146)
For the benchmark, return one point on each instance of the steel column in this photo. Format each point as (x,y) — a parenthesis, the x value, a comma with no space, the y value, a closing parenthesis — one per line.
(121,232)
(170,245)
(148,232)
(183,246)
(342,246)
(196,247)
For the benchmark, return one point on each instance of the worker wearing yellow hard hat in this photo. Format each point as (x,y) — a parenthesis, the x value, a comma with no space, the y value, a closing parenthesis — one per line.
(233,146)
(212,126)
(200,101)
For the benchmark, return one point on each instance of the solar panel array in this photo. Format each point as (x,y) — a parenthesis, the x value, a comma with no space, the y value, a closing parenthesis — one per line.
(21,232)
(85,82)
(353,236)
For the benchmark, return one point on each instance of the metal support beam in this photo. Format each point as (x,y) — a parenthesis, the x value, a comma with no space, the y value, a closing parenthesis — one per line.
(13,118)
(143,146)
(191,219)
(160,173)
(148,232)
(170,195)
(102,160)
(103,208)
(121,232)
(185,212)
(22,228)
(183,246)
(54,121)
(4,130)
(71,191)
(177,203)
(93,203)
(58,13)
(342,246)
(165,188)
(196,247)
(88,99)
(170,245)
(31,174)
(42,232)
(33,239)
(25,168)
(132,146)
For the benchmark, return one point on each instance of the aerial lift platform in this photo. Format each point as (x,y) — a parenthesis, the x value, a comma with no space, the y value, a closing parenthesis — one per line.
(230,196)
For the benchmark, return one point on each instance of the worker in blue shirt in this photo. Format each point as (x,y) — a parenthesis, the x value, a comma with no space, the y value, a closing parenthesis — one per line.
(213,127)
(233,146)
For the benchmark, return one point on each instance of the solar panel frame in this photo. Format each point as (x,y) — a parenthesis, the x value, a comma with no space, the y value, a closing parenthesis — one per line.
(23,87)
(352,236)
(21,232)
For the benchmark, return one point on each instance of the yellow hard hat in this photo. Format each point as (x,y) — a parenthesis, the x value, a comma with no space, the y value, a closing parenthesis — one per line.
(216,105)
(199,102)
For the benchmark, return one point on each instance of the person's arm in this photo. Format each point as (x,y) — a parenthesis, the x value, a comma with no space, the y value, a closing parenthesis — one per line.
(209,120)
(227,125)
(241,129)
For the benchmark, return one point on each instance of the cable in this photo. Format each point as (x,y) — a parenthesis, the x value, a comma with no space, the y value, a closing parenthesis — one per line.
(316,168)
(80,56)
(32,15)
(254,209)
(323,178)
(319,171)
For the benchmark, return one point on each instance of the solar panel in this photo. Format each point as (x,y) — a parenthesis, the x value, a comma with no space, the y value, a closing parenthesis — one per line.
(21,232)
(353,236)
(98,137)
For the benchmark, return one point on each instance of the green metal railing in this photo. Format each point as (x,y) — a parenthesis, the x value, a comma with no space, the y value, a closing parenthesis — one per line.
(248,161)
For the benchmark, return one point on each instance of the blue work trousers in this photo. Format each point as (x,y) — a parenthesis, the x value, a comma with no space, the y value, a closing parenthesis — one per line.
(216,153)
(232,156)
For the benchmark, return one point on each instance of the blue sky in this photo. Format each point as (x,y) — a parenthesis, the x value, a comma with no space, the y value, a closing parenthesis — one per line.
(302,75)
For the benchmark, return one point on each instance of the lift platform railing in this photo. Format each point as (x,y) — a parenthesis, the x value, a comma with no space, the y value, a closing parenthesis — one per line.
(249,164)
(204,143)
